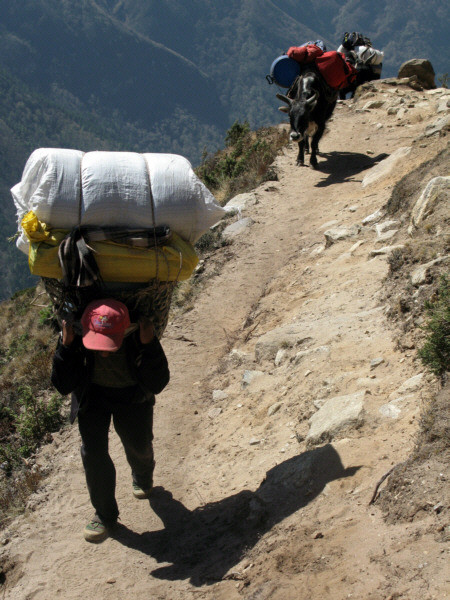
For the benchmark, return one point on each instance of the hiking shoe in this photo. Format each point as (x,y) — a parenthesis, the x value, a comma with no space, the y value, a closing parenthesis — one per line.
(95,531)
(140,493)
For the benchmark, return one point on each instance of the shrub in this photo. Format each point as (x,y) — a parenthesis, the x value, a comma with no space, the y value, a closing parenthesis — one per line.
(36,419)
(236,132)
(443,80)
(208,241)
(245,162)
(435,353)
(46,316)
(29,409)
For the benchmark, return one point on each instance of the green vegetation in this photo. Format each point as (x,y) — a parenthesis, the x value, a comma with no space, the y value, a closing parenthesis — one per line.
(32,419)
(29,409)
(243,165)
(435,353)
(245,161)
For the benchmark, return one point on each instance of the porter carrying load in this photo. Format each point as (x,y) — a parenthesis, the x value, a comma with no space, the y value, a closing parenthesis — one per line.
(116,223)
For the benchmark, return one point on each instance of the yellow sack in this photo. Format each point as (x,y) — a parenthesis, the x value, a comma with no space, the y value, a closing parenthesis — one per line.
(116,262)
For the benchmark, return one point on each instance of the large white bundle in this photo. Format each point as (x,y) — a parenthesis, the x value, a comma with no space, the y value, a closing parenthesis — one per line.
(114,190)
(369,56)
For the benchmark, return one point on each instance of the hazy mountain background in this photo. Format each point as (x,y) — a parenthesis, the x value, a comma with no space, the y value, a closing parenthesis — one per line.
(167,75)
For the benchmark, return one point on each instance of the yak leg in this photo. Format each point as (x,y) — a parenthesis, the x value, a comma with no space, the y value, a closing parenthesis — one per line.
(301,153)
(307,144)
(315,145)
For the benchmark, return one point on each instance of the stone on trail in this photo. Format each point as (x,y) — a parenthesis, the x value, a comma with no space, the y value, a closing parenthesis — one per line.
(213,413)
(443,105)
(335,415)
(386,166)
(374,217)
(410,385)
(340,233)
(281,355)
(421,275)
(437,190)
(274,408)
(390,411)
(374,363)
(303,353)
(241,202)
(238,228)
(382,228)
(250,376)
(373,104)
(286,336)
(237,357)
(386,250)
(441,126)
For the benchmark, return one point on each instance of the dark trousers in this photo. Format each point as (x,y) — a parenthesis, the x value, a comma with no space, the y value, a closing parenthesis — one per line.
(133,422)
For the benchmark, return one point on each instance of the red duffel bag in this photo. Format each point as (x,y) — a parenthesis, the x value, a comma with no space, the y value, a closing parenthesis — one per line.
(336,71)
(304,54)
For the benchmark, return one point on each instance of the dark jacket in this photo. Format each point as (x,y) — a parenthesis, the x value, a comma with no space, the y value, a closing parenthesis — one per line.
(72,368)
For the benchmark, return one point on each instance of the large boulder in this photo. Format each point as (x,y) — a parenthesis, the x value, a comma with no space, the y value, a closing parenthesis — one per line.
(420,67)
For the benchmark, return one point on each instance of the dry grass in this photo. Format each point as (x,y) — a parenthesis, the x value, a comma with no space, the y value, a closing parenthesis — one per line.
(245,162)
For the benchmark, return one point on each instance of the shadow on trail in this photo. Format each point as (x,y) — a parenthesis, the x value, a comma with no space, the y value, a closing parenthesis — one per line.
(203,544)
(343,166)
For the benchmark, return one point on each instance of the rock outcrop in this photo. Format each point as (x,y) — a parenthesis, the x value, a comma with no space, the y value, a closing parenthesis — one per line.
(422,69)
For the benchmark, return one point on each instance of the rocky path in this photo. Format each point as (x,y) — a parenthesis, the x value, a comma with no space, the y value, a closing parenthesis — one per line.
(288,401)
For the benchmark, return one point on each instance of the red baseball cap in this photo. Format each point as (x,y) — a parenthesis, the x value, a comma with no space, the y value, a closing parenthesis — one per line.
(104,323)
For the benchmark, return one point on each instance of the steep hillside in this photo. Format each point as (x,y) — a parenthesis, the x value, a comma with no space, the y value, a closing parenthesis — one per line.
(234,42)
(97,59)
(295,389)
(81,54)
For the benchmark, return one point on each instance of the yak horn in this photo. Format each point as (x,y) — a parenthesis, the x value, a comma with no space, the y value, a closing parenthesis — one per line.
(284,98)
(284,109)
(313,98)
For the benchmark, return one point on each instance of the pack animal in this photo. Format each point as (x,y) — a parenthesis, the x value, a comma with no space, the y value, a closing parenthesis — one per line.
(310,104)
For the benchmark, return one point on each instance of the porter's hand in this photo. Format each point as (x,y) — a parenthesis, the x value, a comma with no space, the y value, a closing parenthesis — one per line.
(146,331)
(68,334)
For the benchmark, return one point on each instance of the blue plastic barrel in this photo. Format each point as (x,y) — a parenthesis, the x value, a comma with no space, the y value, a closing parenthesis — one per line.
(284,71)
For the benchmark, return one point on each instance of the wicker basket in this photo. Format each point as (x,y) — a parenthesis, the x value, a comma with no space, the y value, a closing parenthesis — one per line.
(144,301)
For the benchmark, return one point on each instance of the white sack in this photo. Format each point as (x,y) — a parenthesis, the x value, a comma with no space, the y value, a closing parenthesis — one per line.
(115,191)
(369,56)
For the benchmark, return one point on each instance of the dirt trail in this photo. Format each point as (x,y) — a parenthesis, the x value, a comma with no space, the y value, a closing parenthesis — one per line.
(243,507)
